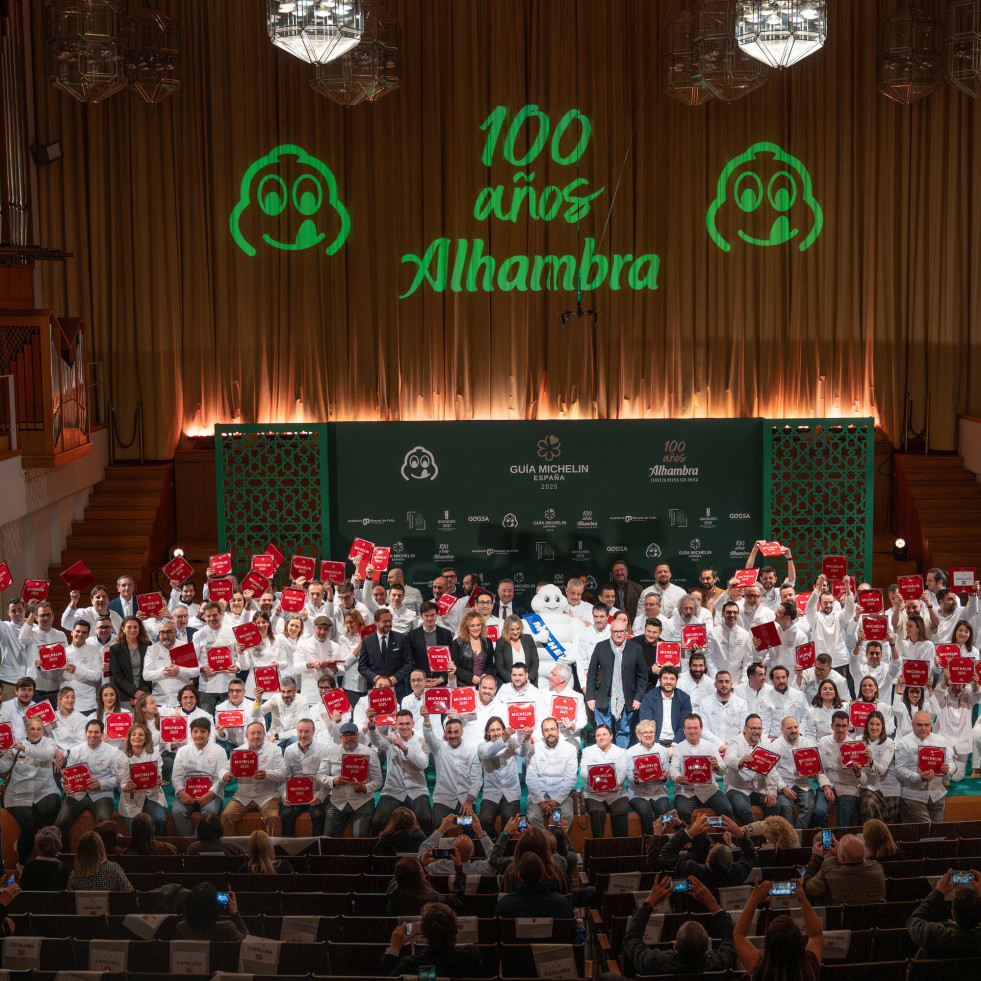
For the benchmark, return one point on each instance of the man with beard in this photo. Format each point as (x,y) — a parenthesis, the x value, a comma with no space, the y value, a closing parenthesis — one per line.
(794,787)
(730,646)
(551,773)
(783,700)
(744,787)
(696,683)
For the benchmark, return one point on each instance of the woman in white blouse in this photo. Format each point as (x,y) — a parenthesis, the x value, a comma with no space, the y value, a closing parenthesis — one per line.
(32,796)
(614,801)
(868,691)
(68,728)
(881,789)
(825,703)
(265,655)
(349,642)
(914,646)
(138,749)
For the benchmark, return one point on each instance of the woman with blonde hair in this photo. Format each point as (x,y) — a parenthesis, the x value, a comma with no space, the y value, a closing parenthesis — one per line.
(777,832)
(261,858)
(472,653)
(349,644)
(139,753)
(92,871)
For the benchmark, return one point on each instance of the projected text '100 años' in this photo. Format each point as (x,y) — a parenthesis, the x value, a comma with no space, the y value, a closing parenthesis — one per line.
(461,265)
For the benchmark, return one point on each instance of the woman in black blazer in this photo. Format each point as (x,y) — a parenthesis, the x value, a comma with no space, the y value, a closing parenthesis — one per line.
(471,641)
(131,637)
(515,642)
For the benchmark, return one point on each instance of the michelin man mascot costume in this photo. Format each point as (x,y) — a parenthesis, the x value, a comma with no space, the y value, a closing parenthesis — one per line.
(553,626)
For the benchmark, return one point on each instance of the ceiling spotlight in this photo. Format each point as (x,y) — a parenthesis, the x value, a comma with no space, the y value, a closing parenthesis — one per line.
(899,551)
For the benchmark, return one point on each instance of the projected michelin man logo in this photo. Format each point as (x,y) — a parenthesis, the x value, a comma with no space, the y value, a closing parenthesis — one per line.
(419,464)
(773,192)
(297,204)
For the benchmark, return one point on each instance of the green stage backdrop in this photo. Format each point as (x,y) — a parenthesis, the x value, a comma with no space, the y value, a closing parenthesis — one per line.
(540,500)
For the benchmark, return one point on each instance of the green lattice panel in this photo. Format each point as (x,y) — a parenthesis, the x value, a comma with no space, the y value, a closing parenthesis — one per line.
(273,486)
(818,491)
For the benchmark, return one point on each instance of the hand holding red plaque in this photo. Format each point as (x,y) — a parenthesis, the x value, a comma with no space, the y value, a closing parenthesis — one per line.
(354,767)
(293,600)
(220,590)
(144,775)
(383,701)
(648,769)
(220,565)
(118,724)
(961,670)
(834,566)
(930,759)
(437,701)
(76,576)
(745,577)
(870,600)
(564,709)
(183,656)
(178,569)
(173,729)
(668,652)
(521,714)
(244,762)
(944,652)
(910,587)
(439,658)
(44,712)
(52,657)
(602,778)
(916,673)
(859,712)
(698,769)
(150,604)
(332,572)
(75,779)
(852,753)
(197,787)
(693,636)
(299,790)
(220,659)
(805,656)
(762,760)
(807,761)
(875,626)
(230,719)
(302,567)
(463,700)
(765,636)
(247,634)
(336,701)
(267,678)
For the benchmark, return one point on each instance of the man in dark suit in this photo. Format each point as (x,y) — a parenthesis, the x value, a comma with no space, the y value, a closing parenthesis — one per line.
(505,605)
(627,591)
(125,603)
(430,634)
(185,634)
(666,692)
(615,704)
(385,660)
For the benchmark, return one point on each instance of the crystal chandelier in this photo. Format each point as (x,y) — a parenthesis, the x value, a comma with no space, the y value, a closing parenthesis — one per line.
(371,70)
(86,48)
(154,60)
(316,31)
(909,61)
(679,62)
(720,64)
(964,46)
(781,32)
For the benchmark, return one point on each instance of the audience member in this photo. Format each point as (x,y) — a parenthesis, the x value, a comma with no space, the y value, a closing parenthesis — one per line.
(207,919)
(409,888)
(46,872)
(438,924)
(261,857)
(713,864)
(92,871)
(842,874)
(533,895)
(944,928)
(210,839)
(402,834)
(143,841)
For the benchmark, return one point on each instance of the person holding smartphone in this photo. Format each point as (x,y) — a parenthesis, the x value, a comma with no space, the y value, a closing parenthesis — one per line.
(210,915)
(945,928)
(713,864)
(842,873)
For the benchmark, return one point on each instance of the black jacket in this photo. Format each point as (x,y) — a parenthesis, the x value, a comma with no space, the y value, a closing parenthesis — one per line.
(503,659)
(417,646)
(397,663)
(463,659)
(599,679)
(121,669)
(535,900)
(694,864)
(462,961)
(930,927)
(648,960)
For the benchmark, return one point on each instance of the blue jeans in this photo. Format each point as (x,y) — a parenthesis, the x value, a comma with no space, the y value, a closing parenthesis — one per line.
(805,801)
(847,804)
(718,803)
(648,810)
(182,813)
(742,803)
(623,727)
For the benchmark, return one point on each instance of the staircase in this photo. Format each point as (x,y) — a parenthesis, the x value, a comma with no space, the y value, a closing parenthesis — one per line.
(126,527)
(937,509)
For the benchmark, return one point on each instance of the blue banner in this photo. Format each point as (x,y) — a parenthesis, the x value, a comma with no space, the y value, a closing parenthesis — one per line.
(537,625)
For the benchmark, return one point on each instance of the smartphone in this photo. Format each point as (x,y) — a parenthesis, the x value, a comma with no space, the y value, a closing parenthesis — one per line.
(958,878)
(681,885)
(801,871)
(409,927)
(826,839)
(464,820)
(427,973)
(222,899)
(522,823)
(666,818)
(714,822)
(783,889)
(10,881)
(442,853)
(556,815)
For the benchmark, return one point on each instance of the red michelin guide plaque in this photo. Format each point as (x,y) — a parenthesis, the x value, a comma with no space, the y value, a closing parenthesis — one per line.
(439,658)
(332,572)
(6,736)
(336,701)
(299,790)
(961,670)
(150,604)
(52,657)
(437,701)
(870,600)
(383,701)
(944,652)
(244,762)
(75,778)
(293,600)
(220,659)
(668,652)
(648,769)
(762,760)
(564,709)
(264,565)
(875,626)
(765,636)
(805,656)
(771,550)
(354,766)
(916,673)
(521,714)
(45,713)
(602,778)
(931,758)
(910,587)
(144,775)
(173,729)
(693,635)
(230,719)
(808,761)
(267,678)
(221,565)
(463,700)
(247,634)
(177,569)
(255,582)
(963,578)
(445,603)
(220,590)
(78,576)
(698,769)
(302,567)
(197,787)
(745,577)
(834,566)
(852,753)
(118,724)
(859,712)
(183,656)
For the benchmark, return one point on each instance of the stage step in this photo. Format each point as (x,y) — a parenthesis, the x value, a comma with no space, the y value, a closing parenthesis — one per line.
(126,526)
(937,509)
